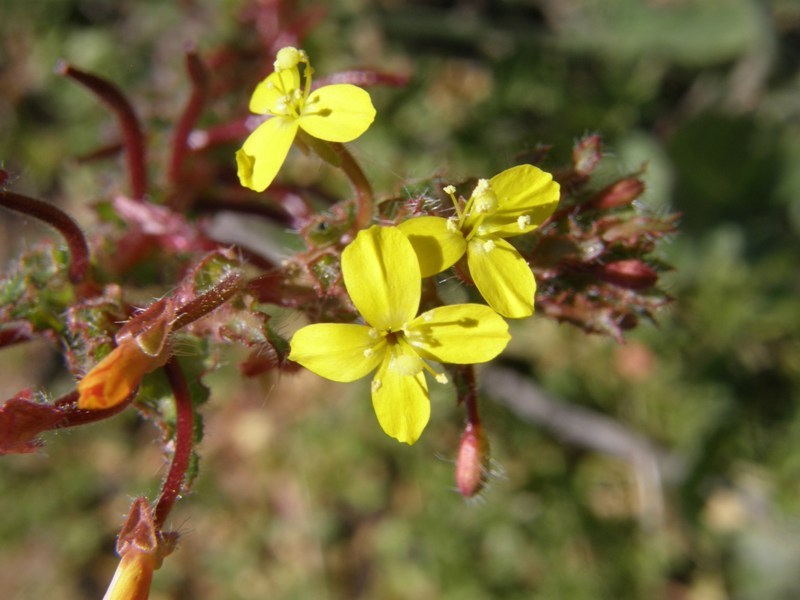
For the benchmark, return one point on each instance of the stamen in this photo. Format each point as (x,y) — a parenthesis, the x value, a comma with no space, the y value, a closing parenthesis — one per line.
(485,200)
(450,190)
(440,377)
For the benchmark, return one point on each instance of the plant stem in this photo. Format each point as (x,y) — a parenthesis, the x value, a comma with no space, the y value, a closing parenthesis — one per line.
(131,130)
(180,139)
(365,199)
(55,217)
(204,304)
(184,438)
(74,416)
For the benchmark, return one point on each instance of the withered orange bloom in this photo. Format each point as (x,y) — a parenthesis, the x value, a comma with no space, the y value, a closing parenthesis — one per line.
(142,346)
(114,378)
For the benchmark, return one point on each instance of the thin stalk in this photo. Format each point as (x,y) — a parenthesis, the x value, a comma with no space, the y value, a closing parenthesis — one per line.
(198,76)
(74,416)
(55,217)
(365,199)
(469,389)
(184,438)
(129,123)
(205,303)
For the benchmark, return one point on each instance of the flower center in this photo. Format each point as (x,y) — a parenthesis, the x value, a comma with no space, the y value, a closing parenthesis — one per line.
(404,358)
(481,204)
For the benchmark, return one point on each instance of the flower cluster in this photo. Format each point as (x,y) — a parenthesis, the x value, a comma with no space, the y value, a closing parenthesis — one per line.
(382,276)
(382,268)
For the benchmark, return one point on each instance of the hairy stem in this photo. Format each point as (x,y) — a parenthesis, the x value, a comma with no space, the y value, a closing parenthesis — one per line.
(131,130)
(55,217)
(74,416)
(365,199)
(180,139)
(184,438)
(204,304)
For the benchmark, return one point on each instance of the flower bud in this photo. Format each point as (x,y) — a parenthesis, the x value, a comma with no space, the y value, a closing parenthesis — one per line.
(619,193)
(472,462)
(632,274)
(586,155)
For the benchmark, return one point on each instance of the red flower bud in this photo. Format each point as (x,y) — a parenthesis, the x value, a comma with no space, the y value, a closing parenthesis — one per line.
(619,193)
(472,463)
(632,274)
(586,155)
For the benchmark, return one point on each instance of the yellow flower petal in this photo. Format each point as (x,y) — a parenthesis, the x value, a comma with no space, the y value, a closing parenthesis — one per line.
(522,191)
(337,113)
(438,246)
(502,277)
(381,273)
(272,89)
(400,401)
(337,351)
(132,578)
(460,334)
(264,151)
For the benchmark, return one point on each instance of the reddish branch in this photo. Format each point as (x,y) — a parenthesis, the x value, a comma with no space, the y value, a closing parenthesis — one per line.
(129,123)
(180,139)
(55,217)
(184,438)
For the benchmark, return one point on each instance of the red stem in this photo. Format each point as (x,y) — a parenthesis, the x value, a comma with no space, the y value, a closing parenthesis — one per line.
(470,395)
(364,195)
(184,438)
(131,131)
(55,217)
(180,139)
(204,304)
(74,416)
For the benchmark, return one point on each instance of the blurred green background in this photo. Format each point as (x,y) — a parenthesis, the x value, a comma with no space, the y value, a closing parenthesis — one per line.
(300,494)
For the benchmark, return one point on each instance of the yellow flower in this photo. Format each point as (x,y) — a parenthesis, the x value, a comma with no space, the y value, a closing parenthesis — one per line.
(514,202)
(142,548)
(382,276)
(133,577)
(335,113)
